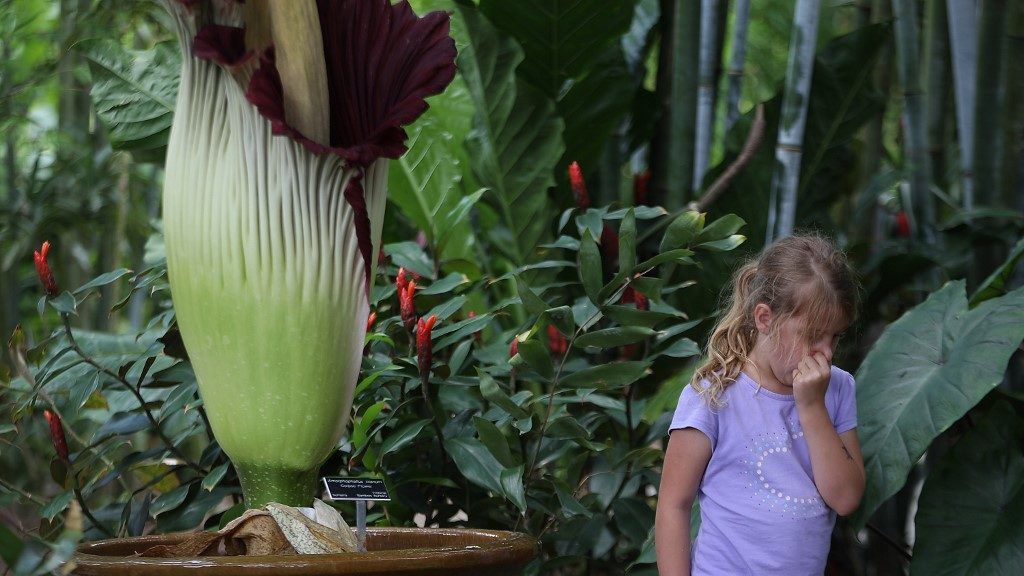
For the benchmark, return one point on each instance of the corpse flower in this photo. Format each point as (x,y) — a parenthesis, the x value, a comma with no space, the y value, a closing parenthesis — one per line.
(274,197)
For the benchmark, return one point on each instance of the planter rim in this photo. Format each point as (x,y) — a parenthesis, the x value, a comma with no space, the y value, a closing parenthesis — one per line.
(469,548)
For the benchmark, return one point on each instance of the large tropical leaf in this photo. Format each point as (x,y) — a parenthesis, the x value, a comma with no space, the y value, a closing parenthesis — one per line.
(427,182)
(926,371)
(516,137)
(972,506)
(561,38)
(134,93)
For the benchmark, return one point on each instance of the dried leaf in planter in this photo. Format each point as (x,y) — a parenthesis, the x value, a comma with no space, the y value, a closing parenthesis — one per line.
(255,533)
(331,518)
(199,544)
(305,535)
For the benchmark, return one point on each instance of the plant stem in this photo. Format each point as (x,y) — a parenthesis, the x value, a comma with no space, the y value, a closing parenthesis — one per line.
(895,545)
(138,396)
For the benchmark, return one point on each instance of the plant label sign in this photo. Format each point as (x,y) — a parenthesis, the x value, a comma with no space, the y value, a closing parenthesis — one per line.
(356,489)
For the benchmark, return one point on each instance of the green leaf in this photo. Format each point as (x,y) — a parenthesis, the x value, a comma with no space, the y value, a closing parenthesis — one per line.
(121,423)
(134,94)
(57,505)
(494,440)
(682,231)
(561,39)
(924,373)
(64,303)
(530,300)
(476,463)
(402,437)
(627,243)
(682,348)
(609,337)
(459,330)
(139,515)
(214,477)
(426,183)
(720,229)
(103,280)
(512,486)
(590,267)
(613,375)
(537,357)
(444,285)
(410,255)
(362,426)
(562,318)
(679,255)
(490,390)
(169,500)
(723,245)
(11,546)
(972,504)
(633,518)
(446,309)
(516,137)
(995,285)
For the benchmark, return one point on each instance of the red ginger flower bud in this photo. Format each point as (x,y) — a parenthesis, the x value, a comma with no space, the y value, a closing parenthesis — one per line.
(43,269)
(370,320)
(513,348)
(556,342)
(60,443)
(401,281)
(902,224)
(406,306)
(424,350)
(579,187)
(640,183)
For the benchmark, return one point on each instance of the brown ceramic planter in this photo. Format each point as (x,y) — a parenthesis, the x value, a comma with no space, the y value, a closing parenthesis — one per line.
(391,551)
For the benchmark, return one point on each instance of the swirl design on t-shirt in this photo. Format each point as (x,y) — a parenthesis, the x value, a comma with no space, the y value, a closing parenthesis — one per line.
(767,491)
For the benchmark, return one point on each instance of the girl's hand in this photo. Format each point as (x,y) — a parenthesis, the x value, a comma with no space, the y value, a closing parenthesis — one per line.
(810,380)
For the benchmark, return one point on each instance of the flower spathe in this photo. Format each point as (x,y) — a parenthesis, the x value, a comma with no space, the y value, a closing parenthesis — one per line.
(60,442)
(272,237)
(424,346)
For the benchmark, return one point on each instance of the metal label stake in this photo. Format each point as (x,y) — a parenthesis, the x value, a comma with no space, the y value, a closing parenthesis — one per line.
(360,490)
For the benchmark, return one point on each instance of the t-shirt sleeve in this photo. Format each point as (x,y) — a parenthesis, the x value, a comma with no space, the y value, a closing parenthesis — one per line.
(694,412)
(846,413)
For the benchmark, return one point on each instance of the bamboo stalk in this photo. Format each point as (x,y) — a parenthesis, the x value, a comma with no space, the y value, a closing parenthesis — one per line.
(736,59)
(990,100)
(915,141)
(937,81)
(963,38)
(705,90)
(789,151)
(684,43)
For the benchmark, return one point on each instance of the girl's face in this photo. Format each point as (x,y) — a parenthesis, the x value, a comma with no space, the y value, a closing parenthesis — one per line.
(795,339)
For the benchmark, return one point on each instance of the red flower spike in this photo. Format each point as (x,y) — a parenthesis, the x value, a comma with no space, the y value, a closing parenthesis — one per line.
(43,269)
(401,281)
(556,342)
(370,320)
(579,186)
(902,224)
(424,346)
(407,307)
(60,443)
(513,348)
(640,183)
(609,246)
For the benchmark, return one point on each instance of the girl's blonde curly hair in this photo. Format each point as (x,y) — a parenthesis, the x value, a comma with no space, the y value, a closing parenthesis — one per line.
(803,276)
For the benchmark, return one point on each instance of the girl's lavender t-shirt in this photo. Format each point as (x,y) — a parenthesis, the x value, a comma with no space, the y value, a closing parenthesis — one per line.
(760,511)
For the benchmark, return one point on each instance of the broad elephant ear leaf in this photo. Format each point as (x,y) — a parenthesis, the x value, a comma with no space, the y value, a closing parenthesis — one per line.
(978,488)
(925,372)
(516,138)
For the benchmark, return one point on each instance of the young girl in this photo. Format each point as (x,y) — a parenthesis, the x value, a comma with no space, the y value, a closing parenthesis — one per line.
(766,432)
